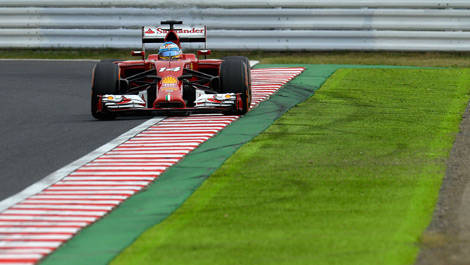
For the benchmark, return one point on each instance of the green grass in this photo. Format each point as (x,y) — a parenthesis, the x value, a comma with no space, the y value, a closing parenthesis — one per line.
(350,176)
(445,59)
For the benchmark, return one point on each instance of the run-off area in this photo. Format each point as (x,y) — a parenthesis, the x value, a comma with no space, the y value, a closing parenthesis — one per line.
(350,176)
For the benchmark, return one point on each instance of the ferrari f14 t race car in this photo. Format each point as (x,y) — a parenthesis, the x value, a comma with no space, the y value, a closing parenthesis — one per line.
(171,82)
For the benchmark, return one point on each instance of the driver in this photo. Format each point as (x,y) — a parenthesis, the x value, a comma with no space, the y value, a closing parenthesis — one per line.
(169,51)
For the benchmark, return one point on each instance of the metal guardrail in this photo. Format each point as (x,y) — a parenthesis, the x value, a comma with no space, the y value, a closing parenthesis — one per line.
(244,3)
(241,24)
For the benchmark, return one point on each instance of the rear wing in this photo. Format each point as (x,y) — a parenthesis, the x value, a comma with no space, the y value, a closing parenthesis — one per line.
(159,34)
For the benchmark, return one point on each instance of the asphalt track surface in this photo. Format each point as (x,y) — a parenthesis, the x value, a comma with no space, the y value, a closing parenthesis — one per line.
(447,239)
(45,120)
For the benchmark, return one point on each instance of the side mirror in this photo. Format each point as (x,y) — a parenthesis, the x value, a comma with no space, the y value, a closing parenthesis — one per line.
(139,53)
(203,52)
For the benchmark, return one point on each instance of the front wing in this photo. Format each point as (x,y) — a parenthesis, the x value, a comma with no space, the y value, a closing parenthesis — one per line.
(136,105)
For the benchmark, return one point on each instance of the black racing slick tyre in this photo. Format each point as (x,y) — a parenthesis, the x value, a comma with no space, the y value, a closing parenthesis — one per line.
(235,78)
(244,59)
(105,80)
(237,58)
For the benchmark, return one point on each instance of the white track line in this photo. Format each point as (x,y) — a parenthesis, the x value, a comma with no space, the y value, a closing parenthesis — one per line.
(63,172)
(253,63)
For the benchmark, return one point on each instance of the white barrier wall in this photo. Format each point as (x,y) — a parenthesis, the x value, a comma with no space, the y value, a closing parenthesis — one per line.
(241,24)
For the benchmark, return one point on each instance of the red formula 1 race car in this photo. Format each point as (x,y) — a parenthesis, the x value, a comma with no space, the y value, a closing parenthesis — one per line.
(171,82)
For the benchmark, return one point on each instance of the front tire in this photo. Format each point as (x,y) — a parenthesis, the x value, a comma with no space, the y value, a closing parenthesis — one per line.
(235,78)
(105,81)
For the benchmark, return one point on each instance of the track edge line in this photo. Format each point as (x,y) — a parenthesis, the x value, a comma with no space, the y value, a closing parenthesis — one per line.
(66,170)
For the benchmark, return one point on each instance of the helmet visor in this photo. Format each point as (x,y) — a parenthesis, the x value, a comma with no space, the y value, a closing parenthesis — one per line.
(170,53)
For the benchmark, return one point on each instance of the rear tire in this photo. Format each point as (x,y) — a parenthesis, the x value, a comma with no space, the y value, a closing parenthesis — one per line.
(235,78)
(237,58)
(105,81)
(243,58)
